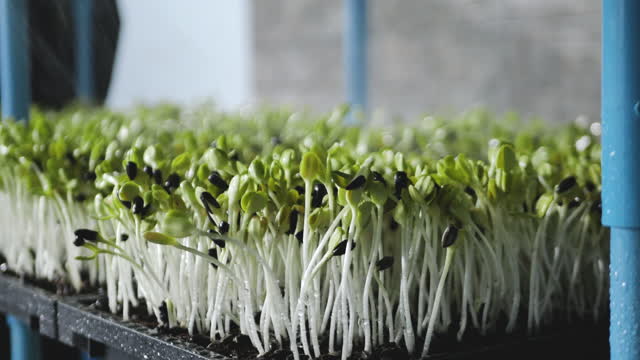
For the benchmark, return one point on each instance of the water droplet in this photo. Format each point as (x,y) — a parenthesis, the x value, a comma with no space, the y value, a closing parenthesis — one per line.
(612,154)
(624,284)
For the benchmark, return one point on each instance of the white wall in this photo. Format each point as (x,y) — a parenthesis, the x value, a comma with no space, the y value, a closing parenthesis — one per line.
(183,51)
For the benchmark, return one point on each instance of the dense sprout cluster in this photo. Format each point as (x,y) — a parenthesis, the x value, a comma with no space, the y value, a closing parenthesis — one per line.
(307,233)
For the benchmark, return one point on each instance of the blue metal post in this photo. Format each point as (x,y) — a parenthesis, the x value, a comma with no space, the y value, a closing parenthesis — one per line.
(621,169)
(83,21)
(355,54)
(14,59)
(25,343)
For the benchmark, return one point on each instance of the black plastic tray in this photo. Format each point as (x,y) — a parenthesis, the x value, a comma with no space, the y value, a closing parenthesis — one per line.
(35,306)
(72,322)
(94,331)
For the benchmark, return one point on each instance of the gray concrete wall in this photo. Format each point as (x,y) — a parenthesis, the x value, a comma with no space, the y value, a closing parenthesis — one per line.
(539,57)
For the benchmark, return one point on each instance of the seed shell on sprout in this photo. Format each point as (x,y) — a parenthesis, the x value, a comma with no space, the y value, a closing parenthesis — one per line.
(469,190)
(591,187)
(148,170)
(221,243)
(138,205)
(356,183)
(574,202)
(208,200)
(223,228)
(401,181)
(157,176)
(293,222)
(384,263)
(86,234)
(341,248)
(300,190)
(124,237)
(317,195)
(89,176)
(449,236)
(173,181)
(78,241)
(132,170)
(378,177)
(213,252)
(300,236)
(164,313)
(216,180)
(566,184)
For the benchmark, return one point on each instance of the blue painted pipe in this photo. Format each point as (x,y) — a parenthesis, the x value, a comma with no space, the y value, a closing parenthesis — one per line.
(355,54)
(83,29)
(14,59)
(85,356)
(25,343)
(621,169)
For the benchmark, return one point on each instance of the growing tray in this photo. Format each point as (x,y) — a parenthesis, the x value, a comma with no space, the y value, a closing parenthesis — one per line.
(72,321)
(34,306)
(95,331)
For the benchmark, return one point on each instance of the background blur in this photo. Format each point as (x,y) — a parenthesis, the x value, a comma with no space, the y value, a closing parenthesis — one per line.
(536,57)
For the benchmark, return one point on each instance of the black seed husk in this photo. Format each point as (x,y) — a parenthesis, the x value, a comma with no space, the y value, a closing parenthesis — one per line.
(86,234)
(148,170)
(213,252)
(157,176)
(78,241)
(208,199)
(164,313)
(317,195)
(221,243)
(293,222)
(574,202)
(469,190)
(449,236)
(300,236)
(341,248)
(138,205)
(384,263)
(124,237)
(132,170)
(566,184)
(173,181)
(126,204)
(224,227)
(378,177)
(300,190)
(401,181)
(89,176)
(217,180)
(356,183)
(596,207)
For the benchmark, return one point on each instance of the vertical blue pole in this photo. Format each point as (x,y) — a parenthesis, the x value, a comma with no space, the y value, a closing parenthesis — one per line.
(621,169)
(16,91)
(25,344)
(14,59)
(355,54)
(83,21)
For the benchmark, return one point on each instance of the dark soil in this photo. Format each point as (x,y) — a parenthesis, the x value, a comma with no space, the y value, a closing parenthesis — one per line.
(58,286)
